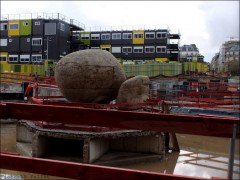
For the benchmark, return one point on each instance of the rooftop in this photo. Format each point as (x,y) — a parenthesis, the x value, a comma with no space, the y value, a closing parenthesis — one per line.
(128,28)
(75,24)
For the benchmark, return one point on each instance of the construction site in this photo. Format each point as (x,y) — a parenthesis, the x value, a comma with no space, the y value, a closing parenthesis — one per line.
(60,138)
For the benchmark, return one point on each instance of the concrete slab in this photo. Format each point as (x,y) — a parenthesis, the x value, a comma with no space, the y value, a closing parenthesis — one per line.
(88,147)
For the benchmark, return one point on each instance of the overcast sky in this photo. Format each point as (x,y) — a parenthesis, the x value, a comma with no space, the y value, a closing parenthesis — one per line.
(204,23)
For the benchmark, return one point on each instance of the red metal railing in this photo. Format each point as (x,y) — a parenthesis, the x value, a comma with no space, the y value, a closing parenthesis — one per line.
(198,125)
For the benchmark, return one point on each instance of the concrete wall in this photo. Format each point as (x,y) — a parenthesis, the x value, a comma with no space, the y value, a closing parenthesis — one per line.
(97,147)
(148,144)
(37,142)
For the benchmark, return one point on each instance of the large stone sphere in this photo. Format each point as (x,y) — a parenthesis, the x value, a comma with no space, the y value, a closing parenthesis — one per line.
(89,76)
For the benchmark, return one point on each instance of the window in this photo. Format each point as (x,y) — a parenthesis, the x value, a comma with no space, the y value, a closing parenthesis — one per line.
(13,58)
(3,26)
(24,58)
(3,58)
(36,58)
(62,27)
(3,42)
(37,23)
(116,49)
(138,49)
(127,49)
(50,28)
(13,26)
(36,41)
(116,35)
(149,35)
(138,35)
(106,49)
(85,36)
(149,49)
(25,23)
(127,35)
(105,36)
(161,35)
(95,36)
(161,49)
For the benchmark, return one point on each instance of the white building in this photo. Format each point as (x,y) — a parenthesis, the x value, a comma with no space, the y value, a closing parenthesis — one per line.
(189,53)
(225,53)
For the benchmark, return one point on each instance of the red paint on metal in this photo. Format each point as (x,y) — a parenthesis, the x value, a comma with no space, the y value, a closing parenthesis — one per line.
(36,100)
(78,170)
(75,128)
(187,124)
(210,100)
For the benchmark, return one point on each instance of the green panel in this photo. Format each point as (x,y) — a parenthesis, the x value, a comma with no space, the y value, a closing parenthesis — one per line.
(1,68)
(153,69)
(17,68)
(82,39)
(12,67)
(25,68)
(25,27)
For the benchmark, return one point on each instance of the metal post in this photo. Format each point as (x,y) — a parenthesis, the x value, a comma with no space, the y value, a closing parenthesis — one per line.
(47,47)
(232,150)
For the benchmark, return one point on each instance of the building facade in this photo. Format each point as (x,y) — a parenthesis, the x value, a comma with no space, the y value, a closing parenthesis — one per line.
(228,54)
(34,38)
(190,53)
(134,45)
(193,61)
(224,49)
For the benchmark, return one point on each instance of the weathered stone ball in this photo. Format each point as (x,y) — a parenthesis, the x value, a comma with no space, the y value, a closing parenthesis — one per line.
(89,76)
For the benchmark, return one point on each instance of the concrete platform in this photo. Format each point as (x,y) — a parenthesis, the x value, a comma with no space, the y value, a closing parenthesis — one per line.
(105,148)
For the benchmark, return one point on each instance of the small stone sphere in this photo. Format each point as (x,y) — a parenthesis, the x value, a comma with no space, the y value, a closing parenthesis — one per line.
(134,90)
(89,76)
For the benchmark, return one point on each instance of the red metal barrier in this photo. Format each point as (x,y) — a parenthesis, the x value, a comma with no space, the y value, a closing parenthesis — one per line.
(198,125)
(80,171)
(28,78)
(187,124)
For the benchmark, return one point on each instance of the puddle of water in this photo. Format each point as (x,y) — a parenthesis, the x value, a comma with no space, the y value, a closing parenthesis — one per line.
(200,156)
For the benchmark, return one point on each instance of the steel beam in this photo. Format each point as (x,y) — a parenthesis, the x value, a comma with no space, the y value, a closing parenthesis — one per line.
(78,170)
(186,124)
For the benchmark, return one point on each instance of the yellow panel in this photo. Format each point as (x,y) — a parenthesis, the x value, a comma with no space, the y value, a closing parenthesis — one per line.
(105,46)
(13,32)
(4,65)
(162,59)
(4,53)
(138,40)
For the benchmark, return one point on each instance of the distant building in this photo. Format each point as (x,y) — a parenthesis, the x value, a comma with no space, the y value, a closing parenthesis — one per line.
(33,43)
(224,49)
(214,63)
(190,53)
(33,38)
(134,44)
(233,53)
(228,51)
